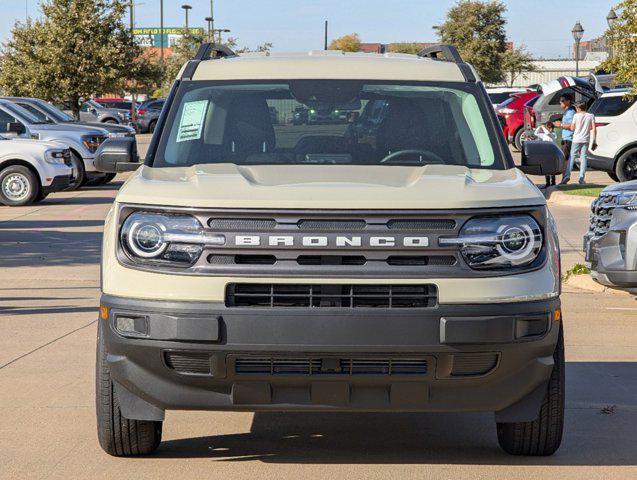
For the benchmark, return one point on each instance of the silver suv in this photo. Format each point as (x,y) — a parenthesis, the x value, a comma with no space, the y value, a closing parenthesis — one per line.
(91,111)
(82,140)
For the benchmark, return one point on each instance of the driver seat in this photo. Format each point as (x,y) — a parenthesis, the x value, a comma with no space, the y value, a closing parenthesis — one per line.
(405,127)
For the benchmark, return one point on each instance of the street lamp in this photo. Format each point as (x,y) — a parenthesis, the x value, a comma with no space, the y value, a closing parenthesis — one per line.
(209,20)
(186,7)
(578,34)
(611,19)
(220,31)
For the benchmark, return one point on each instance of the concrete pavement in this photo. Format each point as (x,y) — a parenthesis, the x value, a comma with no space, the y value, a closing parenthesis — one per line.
(49,292)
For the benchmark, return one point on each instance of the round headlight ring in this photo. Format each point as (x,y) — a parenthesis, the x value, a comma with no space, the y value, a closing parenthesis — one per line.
(146,239)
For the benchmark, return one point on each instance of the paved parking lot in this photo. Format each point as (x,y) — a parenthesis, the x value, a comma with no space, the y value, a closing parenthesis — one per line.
(49,291)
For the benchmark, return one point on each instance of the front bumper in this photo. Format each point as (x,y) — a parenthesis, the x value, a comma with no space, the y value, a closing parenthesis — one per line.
(612,257)
(59,183)
(206,356)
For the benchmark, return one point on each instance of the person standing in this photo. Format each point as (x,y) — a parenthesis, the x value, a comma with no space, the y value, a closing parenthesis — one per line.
(566,102)
(583,128)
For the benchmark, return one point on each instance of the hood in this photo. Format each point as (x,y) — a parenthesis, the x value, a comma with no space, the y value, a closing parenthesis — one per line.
(329,187)
(45,144)
(630,186)
(67,127)
(109,127)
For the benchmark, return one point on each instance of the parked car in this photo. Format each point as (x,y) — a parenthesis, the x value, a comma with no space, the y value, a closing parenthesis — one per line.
(512,111)
(616,121)
(50,114)
(502,94)
(82,140)
(91,111)
(148,114)
(547,105)
(610,245)
(31,169)
(119,103)
(248,267)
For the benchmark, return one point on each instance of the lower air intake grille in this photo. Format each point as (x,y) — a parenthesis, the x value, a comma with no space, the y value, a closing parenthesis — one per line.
(330,296)
(473,364)
(191,363)
(329,366)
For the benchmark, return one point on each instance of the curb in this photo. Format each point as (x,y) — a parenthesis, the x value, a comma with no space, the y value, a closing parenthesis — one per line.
(556,197)
(585,282)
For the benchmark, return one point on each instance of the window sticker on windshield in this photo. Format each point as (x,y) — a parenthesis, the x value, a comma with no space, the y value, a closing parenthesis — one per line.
(191,122)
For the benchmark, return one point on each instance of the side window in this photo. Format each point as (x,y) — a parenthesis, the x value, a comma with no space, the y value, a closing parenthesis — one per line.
(611,106)
(4,119)
(40,116)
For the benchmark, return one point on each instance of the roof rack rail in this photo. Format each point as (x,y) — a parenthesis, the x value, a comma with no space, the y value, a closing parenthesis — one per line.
(449,53)
(206,51)
(441,51)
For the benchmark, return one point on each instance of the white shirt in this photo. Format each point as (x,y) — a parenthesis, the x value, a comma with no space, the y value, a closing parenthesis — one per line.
(544,134)
(582,125)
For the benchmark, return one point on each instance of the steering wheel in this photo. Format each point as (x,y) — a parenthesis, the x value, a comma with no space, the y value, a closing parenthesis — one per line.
(431,157)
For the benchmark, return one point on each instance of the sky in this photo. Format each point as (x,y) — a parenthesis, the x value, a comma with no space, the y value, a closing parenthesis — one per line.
(544,26)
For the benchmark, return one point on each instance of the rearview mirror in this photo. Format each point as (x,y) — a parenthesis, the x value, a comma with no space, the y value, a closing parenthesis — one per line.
(542,158)
(16,127)
(117,155)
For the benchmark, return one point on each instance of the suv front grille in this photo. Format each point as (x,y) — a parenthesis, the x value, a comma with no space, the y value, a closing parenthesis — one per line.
(602,210)
(329,366)
(265,295)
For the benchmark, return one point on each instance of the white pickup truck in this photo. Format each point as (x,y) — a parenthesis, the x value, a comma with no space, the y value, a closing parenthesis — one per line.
(31,169)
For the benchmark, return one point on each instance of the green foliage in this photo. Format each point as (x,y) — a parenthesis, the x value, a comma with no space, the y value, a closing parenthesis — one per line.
(589,190)
(78,49)
(476,28)
(577,269)
(346,43)
(623,40)
(515,62)
(405,47)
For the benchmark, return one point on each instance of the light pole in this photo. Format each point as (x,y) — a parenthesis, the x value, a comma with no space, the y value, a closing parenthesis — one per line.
(578,34)
(212,19)
(611,19)
(161,43)
(186,7)
(209,20)
(219,31)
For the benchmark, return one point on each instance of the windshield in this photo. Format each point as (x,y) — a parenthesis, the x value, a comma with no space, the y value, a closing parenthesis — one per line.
(18,111)
(94,104)
(328,122)
(55,113)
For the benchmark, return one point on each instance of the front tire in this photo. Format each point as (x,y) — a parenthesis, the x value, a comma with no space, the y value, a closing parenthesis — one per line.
(79,173)
(101,180)
(19,186)
(626,167)
(151,127)
(543,436)
(119,436)
(613,176)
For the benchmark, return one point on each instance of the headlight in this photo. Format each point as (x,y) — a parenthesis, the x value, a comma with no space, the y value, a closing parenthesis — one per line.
(92,142)
(498,242)
(54,157)
(148,237)
(627,199)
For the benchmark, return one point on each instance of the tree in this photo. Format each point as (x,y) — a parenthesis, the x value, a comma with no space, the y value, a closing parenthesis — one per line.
(476,28)
(623,40)
(515,63)
(80,48)
(347,43)
(405,47)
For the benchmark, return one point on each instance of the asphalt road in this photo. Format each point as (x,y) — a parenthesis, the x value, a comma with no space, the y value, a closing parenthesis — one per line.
(49,291)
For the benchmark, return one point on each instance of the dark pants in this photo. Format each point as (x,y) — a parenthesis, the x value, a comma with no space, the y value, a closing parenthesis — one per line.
(566,150)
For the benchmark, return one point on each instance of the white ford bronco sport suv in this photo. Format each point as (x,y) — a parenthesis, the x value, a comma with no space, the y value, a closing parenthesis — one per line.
(396,260)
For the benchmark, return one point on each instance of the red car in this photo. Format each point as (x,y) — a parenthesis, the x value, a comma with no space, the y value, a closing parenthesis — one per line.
(512,111)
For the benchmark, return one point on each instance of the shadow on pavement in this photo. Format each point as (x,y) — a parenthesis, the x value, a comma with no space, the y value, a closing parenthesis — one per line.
(9,310)
(26,225)
(30,247)
(600,420)
(77,200)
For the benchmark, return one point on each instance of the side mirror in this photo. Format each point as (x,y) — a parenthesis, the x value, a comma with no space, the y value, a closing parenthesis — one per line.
(16,127)
(542,158)
(117,155)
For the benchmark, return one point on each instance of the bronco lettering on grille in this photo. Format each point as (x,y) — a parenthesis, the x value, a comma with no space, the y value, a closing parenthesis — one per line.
(338,241)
